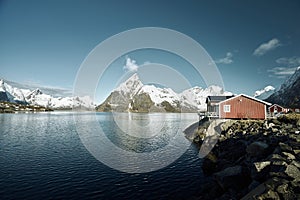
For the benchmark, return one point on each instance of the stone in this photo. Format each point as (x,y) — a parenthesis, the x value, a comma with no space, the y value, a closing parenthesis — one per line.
(275,121)
(297,151)
(284,191)
(288,126)
(285,147)
(210,190)
(275,130)
(295,137)
(295,186)
(276,157)
(293,172)
(209,163)
(289,156)
(260,170)
(279,162)
(280,175)
(257,148)
(271,125)
(274,182)
(233,150)
(298,123)
(253,185)
(232,177)
(277,150)
(269,194)
(228,124)
(255,192)
(261,165)
(296,163)
(281,189)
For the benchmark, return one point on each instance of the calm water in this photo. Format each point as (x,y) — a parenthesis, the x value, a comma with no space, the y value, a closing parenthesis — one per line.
(43,157)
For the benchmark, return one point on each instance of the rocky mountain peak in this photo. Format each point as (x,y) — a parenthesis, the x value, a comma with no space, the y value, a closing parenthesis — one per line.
(37,91)
(131,86)
(289,94)
(9,93)
(132,95)
(34,93)
(2,86)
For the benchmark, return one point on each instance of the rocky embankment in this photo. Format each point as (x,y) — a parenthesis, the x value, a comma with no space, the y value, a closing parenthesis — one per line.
(254,159)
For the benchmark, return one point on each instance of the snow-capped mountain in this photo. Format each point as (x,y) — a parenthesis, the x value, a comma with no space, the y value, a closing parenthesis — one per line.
(195,97)
(131,86)
(12,94)
(265,92)
(289,94)
(133,95)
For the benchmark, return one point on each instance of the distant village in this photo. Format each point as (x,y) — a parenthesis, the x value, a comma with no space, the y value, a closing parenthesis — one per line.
(8,107)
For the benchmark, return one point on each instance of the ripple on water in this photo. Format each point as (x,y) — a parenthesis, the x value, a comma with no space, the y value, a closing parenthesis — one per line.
(42,157)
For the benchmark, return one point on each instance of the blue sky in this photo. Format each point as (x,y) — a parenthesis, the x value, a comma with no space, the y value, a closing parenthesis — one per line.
(254,43)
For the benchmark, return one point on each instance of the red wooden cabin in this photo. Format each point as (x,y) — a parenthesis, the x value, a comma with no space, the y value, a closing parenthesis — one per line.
(275,108)
(243,107)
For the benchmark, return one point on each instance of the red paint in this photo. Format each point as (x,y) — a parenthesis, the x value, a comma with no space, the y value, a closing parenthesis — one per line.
(277,109)
(243,107)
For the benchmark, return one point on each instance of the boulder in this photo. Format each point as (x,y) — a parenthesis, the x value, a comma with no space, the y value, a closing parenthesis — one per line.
(225,126)
(289,156)
(255,192)
(297,151)
(274,130)
(296,163)
(293,172)
(261,165)
(253,185)
(260,170)
(233,150)
(270,125)
(232,177)
(276,157)
(210,190)
(269,194)
(286,192)
(280,163)
(209,163)
(257,149)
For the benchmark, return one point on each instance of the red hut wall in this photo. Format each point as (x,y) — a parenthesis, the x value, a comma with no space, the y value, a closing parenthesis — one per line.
(243,108)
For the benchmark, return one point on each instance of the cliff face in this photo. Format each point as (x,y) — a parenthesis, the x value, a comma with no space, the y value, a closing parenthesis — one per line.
(289,93)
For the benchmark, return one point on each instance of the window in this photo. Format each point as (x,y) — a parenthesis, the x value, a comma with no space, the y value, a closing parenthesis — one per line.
(227,108)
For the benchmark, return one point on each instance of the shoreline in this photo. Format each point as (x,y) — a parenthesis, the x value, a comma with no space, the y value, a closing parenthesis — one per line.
(253,159)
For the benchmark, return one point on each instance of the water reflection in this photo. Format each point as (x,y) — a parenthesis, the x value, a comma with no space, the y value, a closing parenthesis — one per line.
(109,144)
(141,132)
(140,125)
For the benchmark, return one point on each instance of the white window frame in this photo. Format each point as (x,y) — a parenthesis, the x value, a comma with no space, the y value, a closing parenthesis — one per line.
(226,108)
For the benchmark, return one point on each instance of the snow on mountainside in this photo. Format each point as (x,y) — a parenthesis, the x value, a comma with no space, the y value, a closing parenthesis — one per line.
(195,97)
(265,92)
(289,94)
(133,96)
(131,86)
(37,97)
(158,95)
